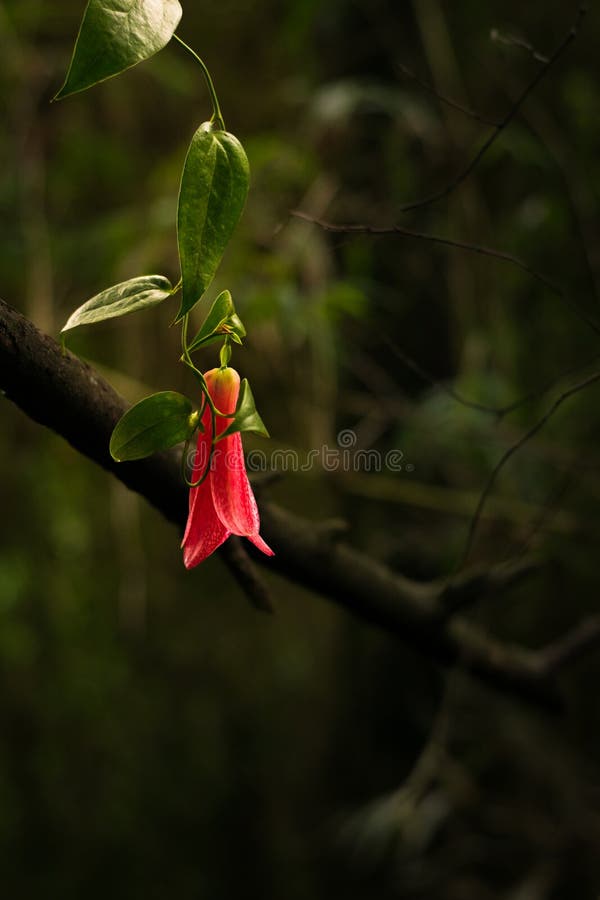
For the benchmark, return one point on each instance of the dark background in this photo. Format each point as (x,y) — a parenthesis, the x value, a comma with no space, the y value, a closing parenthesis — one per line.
(158,737)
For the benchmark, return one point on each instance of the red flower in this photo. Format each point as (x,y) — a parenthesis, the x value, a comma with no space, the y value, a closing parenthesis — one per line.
(223,504)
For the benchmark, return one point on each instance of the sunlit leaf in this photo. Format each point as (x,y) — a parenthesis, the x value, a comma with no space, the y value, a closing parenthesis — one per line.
(221,320)
(155,423)
(121,299)
(213,191)
(115,35)
(246,415)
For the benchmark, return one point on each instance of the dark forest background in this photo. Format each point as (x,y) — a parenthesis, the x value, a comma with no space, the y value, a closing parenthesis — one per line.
(158,737)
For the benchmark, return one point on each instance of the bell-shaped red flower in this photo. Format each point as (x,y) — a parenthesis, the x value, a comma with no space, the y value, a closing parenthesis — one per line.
(223,504)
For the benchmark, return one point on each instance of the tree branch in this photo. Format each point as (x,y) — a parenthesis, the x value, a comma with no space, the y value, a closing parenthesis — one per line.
(70,397)
(514,448)
(448,101)
(480,249)
(505,121)
(512,40)
(585,636)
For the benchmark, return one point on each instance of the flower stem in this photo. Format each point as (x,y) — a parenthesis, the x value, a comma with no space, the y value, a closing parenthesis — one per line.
(194,484)
(188,361)
(217,116)
(206,401)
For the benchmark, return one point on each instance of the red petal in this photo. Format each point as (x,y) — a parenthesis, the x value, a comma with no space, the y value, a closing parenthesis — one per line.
(260,544)
(232,494)
(204,531)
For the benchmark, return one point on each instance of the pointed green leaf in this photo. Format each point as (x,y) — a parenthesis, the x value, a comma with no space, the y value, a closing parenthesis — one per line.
(222,320)
(246,415)
(155,423)
(235,328)
(115,35)
(213,191)
(218,314)
(121,299)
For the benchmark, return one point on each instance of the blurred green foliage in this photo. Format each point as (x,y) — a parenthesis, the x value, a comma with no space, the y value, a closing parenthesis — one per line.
(157,737)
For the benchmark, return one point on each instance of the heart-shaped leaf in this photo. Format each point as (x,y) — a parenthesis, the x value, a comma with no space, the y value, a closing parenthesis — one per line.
(246,415)
(214,186)
(121,299)
(115,35)
(155,423)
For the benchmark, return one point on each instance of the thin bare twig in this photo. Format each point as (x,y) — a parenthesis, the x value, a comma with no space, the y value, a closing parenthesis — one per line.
(415,367)
(505,121)
(548,386)
(511,40)
(499,411)
(582,638)
(471,114)
(580,386)
(546,512)
(500,255)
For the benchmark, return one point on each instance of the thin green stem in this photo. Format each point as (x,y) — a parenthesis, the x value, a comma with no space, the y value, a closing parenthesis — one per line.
(194,484)
(187,359)
(206,401)
(217,117)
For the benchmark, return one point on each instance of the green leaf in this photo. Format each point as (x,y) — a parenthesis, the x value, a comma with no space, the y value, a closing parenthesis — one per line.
(218,314)
(221,320)
(214,186)
(121,299)
(235,328)
(155,423)
(246,415)
(115,35)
